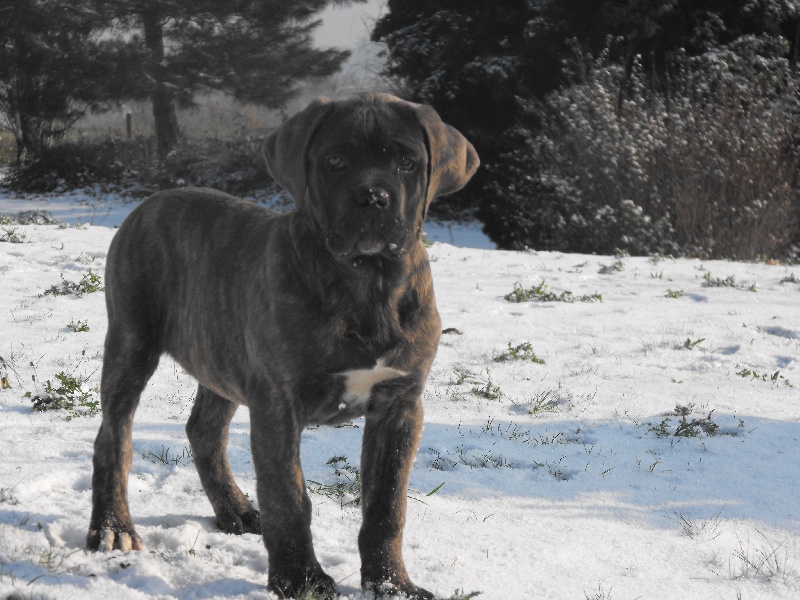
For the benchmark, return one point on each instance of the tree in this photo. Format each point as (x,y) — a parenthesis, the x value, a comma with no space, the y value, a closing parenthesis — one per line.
(53,64)
(255,50)
(468,59)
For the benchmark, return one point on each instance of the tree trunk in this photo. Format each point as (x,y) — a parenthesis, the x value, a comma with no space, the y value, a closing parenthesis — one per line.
(166,120)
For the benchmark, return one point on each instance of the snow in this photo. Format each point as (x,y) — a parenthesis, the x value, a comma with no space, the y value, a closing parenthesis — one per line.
(532,480)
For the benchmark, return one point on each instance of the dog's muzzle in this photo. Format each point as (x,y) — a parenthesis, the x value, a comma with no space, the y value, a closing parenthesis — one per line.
(371,198)
(370,223)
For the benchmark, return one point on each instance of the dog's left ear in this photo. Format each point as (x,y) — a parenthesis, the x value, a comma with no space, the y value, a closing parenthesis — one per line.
(453,160)
(285,148)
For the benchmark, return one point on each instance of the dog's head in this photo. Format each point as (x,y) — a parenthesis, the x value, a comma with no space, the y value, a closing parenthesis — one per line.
(366,168)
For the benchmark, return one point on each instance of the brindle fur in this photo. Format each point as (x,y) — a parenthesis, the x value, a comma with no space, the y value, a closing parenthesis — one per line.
(272,311)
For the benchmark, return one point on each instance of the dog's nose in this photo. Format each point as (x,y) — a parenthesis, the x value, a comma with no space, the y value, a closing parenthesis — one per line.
(373,196)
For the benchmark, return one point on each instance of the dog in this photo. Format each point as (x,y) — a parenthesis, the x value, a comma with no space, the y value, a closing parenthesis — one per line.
(316,316)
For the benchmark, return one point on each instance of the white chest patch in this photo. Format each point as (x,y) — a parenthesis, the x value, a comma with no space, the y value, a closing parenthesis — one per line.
(359,383)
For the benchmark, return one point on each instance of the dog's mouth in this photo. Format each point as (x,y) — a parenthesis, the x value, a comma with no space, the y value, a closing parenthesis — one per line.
(370,242)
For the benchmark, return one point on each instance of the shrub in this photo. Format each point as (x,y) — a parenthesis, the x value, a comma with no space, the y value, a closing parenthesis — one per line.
(67,394)
(89,284)
(236,167)
(71,165)
(703,164)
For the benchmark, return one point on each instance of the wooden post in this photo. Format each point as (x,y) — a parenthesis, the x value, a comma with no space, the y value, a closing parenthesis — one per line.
(129,125)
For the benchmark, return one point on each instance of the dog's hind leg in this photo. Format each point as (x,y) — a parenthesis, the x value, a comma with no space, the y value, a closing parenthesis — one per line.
(128,363)
(207,430)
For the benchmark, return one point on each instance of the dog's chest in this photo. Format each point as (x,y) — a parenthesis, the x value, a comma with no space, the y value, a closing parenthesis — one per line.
(359,383)
(348,392)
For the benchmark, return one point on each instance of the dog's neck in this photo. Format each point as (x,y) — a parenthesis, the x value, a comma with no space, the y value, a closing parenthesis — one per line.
(375,279)
(376,293)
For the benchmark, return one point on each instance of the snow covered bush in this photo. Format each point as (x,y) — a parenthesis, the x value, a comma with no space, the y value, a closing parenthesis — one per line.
(702,164)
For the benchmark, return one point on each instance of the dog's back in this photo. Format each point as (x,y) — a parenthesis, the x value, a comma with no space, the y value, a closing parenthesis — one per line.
(180,261)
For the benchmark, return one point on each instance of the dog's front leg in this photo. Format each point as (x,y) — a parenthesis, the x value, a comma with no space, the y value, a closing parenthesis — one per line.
(391,437)
(283,502)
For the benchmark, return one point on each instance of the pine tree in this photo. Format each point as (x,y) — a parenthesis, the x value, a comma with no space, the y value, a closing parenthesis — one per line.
(53,64)
(253,49)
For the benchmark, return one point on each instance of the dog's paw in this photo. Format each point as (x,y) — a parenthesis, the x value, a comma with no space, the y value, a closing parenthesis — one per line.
(106,540)
(237,524)
(309,585)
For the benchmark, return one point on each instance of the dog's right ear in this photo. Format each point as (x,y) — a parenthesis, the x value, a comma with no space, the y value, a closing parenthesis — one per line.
(285,148)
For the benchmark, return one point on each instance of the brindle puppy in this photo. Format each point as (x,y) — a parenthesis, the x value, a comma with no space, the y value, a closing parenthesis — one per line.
(315,316)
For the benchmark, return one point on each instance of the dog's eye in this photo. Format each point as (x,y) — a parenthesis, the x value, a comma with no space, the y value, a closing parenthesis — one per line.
(335,162)
(406,164)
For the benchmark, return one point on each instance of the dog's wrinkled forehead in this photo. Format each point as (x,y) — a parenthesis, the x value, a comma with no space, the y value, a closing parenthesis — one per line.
(370,126)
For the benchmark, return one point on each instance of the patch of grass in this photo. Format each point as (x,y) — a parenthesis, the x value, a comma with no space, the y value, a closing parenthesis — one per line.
(559,438)
(462,375)
(691,344)
(700,529)
(508,431)
(78,326)
(66,394)
(614,267)
(89,283)
(522,352)
(542,294)
(679,424)
(753,375)
(544,402)
(11,236)
(163,457)
(600,594)
(473,458)
(555,469)
(7,496)
(770,560)
(728,282)
(577,268)
(790,278)
(5,365)
(486,389)
(346,487)
(482,386)
(674,294)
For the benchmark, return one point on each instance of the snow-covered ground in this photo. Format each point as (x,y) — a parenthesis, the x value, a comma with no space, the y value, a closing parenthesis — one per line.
(553,471)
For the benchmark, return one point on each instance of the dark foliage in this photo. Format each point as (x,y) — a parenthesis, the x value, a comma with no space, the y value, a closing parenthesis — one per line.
(233,166)
(53,68)
(707,169)
(484,64)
